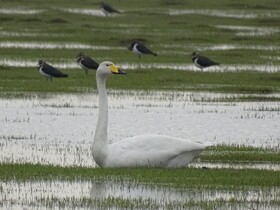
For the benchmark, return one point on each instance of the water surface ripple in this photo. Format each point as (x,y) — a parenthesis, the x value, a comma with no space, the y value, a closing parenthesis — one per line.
(59,129)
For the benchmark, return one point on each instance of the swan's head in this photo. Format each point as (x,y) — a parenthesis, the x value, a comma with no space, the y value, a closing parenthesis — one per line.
(107,68)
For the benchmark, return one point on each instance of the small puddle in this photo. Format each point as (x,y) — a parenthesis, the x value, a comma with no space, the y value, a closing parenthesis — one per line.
(238,14)
(93,12)
(20,11)
(26,63)
(28,34)
(50,45)
(190,48)
(272,58)
(249,30)
(233,47)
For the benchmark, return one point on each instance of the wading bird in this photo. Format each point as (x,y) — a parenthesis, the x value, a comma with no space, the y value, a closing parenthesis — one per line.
(108,9)
(86,62)
(202,62)
(49,71)
(140,49)
(138,151)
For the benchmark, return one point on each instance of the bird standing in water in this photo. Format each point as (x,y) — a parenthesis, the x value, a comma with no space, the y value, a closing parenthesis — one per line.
(202,62)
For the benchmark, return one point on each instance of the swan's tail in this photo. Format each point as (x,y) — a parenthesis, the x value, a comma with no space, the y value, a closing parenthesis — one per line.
(208,144)
(205,144)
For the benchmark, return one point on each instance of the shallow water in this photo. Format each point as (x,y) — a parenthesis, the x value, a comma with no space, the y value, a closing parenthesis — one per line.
(51,45)
(192,67)
(72,45)
(91,194)
(20,11)
(238,14)
(93,12)
(250,30)
(59,129)
(232,47)
(221,46)
(71,64)
(28,34)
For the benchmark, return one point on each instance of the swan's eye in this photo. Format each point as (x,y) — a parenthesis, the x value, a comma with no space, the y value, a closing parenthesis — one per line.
(107,65)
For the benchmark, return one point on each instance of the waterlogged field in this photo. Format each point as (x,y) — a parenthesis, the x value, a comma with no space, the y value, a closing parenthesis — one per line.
(57,130)
(46,128)
(109,194)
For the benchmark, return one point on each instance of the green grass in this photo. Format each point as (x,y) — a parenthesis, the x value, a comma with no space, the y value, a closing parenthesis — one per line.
(27,80)
(148,21)
(240,154)
(174,178)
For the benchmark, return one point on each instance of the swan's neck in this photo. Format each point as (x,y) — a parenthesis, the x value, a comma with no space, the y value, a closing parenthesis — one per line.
(100,144)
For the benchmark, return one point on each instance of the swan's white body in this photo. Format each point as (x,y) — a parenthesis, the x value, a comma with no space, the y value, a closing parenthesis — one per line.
(137,151)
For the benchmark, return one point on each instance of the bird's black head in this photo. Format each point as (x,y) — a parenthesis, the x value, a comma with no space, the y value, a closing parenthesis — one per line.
(132,45)
(194,54)
(103,4)
(81,54)
(40,63)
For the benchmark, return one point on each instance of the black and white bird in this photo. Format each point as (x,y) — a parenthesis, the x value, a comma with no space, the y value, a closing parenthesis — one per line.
(49,71)
(86,62)
(108,9)
(140,49)
(202,62)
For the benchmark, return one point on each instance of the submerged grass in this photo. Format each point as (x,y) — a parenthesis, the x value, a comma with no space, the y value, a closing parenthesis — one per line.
(141,203)
(178,178)
(174,178)
(240,154)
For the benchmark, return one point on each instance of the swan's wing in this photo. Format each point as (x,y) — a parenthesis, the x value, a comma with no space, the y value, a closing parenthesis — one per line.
(151,149)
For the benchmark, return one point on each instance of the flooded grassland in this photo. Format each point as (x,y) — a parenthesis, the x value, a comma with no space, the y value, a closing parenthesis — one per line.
(46,128)
(57,130)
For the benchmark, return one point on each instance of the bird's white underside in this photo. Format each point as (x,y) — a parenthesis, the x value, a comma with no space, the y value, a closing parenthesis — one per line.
(43,73)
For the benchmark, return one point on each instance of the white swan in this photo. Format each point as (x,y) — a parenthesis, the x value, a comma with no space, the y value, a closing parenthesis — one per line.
(137,151)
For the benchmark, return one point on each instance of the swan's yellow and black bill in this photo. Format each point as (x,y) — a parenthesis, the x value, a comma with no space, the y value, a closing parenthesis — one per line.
(116,70)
